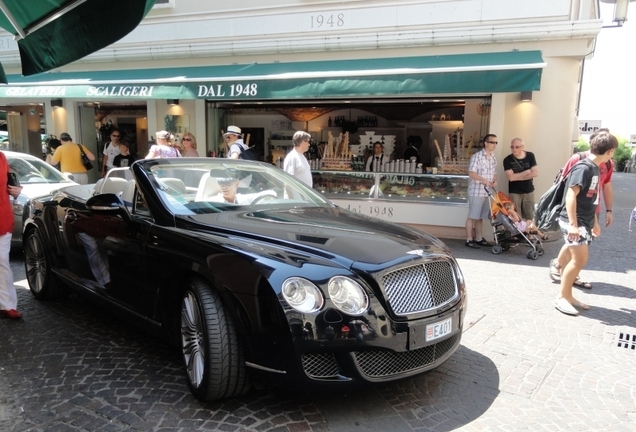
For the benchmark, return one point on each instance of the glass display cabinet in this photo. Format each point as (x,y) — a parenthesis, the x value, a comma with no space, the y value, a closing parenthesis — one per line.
(439,188)
(421,200)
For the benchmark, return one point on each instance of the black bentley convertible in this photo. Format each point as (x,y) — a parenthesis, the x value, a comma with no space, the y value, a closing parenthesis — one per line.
(253,274)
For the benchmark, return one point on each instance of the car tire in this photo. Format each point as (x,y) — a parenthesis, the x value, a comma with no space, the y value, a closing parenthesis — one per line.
(212,356)
(43,283)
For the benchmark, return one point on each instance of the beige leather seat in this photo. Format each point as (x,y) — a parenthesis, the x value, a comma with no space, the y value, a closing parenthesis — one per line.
(208,187)
(113,185)
(177,185)
(128,194)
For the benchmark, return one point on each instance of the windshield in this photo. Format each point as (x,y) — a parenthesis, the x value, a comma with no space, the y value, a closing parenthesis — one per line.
(215,185)
(31,171)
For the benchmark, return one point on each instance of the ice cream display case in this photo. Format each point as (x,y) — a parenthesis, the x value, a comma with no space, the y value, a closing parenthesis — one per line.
(414,199)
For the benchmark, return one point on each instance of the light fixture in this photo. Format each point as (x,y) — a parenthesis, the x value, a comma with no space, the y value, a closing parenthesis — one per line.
(526,96)
(620,10)
(56,103)
(173,101)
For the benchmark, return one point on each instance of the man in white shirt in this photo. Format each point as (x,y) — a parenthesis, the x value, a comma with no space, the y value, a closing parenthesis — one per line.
(375,162)
(234,142)
(111,150)
(295,162)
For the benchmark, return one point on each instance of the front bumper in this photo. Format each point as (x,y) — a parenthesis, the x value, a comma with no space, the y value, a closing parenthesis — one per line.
(376,350)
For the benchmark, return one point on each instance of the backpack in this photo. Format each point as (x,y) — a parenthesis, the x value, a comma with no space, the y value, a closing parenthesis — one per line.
(248,153)
(546,216)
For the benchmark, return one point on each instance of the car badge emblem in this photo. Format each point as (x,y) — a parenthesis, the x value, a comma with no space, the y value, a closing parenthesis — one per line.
(419,252)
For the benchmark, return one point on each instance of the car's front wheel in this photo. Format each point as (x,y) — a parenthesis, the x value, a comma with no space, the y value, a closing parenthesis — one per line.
(44,284)
(213,358)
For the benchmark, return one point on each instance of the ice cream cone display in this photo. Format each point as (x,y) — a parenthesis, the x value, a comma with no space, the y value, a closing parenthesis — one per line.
(447,148)
(439,151)
(336,155)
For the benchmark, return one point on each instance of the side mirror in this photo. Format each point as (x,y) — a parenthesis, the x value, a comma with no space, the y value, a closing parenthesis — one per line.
(105,202)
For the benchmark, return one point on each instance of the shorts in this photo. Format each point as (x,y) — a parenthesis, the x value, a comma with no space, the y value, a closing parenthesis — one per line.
(478,208)
(524,203)
(585,235)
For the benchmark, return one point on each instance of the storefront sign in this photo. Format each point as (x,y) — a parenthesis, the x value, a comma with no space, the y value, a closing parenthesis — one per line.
(466,73)
(589,126)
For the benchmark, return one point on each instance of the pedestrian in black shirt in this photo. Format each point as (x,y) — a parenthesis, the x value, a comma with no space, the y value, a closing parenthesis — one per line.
(124,159)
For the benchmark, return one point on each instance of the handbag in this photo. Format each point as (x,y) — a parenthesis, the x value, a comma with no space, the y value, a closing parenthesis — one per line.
(85,161)
(12,179)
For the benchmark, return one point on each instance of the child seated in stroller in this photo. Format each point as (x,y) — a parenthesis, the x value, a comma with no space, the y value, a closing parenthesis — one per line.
(522,225)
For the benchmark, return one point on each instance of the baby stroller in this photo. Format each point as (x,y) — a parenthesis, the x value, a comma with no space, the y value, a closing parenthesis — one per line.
(504,229)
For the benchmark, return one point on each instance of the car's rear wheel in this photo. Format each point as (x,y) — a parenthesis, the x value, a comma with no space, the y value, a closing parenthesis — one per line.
(212,356)
(37,264)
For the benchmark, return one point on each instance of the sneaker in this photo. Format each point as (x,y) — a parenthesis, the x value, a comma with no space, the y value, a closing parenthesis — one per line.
(472,244)
(11,314)
(482,242)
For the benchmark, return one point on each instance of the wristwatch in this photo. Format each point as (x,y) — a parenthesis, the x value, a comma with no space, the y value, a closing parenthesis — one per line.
(608,211)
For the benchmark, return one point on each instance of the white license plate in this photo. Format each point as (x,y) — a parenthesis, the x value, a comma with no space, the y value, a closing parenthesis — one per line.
(439,329)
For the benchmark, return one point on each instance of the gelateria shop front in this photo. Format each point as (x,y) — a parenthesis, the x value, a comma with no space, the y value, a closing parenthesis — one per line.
(429,114)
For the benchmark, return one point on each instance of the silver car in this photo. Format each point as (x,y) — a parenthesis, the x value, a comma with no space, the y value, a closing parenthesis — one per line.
(37,178)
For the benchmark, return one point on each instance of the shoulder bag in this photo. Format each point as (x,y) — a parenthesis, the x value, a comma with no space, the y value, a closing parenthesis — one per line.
(85,161)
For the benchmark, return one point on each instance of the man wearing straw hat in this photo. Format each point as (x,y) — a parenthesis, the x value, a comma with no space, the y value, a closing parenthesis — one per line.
(234,141)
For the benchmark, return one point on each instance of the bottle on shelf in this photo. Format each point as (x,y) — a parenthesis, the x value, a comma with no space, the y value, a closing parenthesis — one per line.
(329,123)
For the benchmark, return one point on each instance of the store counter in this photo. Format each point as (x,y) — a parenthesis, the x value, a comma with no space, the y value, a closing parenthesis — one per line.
(436,203)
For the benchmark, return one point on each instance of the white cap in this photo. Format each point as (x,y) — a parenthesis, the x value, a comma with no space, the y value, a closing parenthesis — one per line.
(233,130)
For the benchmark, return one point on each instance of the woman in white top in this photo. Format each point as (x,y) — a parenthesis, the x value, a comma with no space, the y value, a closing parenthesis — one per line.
(189,144)
(163,148)
(295,162)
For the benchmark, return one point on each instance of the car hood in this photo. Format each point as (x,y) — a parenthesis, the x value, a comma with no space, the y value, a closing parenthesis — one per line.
(332,231)
(34,190)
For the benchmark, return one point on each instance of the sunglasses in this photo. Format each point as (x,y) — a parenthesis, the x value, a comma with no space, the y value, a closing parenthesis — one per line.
(115,136)
(515,147)
(225,181)
(492,142)
(186,139)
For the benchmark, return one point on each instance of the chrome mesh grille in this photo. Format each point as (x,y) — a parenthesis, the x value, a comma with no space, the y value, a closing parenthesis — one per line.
(322,365)
(420,287)
(381,364)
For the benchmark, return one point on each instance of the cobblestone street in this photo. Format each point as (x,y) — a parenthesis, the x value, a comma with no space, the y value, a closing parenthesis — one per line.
(523,365)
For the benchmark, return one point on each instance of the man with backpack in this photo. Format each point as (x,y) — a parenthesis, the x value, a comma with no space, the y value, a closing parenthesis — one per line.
(234,141)
(606,191)
(579,220)
(111,150)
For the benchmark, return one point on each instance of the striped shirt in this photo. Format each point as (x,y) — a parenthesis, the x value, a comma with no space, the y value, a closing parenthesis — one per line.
(485,166)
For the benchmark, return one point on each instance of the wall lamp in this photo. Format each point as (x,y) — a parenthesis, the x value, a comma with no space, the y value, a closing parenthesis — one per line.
(56,103)
(620,10)
(173,101)
(526,96)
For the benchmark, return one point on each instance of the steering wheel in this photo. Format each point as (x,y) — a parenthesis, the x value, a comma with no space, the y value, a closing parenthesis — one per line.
(261,198)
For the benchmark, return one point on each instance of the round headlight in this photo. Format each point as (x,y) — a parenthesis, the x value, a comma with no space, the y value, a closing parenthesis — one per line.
(302,295)
(347,295)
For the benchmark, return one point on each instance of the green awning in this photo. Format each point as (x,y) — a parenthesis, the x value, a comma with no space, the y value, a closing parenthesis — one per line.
(404,76)
(52,33)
